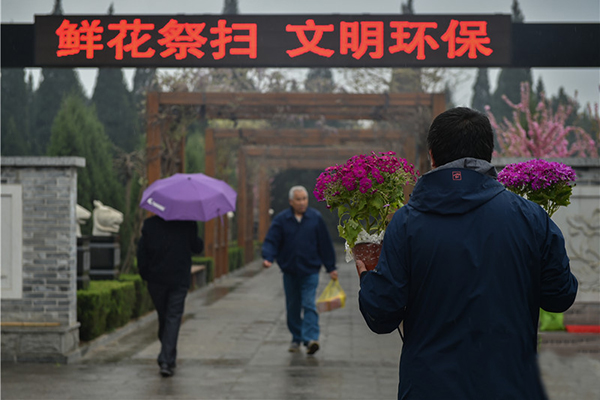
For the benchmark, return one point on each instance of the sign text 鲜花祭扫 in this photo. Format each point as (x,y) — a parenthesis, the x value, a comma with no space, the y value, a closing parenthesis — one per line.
(274,40)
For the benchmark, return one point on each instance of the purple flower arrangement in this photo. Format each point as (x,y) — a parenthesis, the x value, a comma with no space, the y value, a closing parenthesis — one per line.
(546,183)
(365,190)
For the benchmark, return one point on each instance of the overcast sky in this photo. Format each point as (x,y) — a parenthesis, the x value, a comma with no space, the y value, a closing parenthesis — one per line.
(584,81)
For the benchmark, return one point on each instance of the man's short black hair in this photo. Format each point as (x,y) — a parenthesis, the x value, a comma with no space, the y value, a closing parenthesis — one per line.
(460,132)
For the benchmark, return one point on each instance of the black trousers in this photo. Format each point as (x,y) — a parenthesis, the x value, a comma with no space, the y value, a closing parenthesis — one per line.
(169,303)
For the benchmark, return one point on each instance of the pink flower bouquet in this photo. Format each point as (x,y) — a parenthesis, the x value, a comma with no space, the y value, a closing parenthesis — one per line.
(365,191)
(546,183)
(550,185)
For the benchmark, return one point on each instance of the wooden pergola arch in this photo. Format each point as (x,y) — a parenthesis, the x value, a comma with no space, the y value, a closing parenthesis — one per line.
(285,148)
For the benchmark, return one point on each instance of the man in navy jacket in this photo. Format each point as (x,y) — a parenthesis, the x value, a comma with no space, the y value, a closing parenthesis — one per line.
(299,240)
(466,265)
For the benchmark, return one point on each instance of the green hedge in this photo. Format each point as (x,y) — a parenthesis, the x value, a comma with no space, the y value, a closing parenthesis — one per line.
(143,301)
(104,306)
(93,306)
(210,266)
(236,258)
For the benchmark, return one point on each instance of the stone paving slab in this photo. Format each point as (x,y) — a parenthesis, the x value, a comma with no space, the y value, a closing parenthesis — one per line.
(233,345)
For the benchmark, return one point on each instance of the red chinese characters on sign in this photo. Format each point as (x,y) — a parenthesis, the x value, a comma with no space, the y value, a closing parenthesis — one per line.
(176,41)
(310,45)
(224,37)
(361,39)
(473,36)
(136,41)
(358,40)
(418,41)
(72,39)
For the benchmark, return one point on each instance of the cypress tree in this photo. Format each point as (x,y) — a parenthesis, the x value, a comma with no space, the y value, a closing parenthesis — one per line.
(406,80)
(319,80)
(510,79)
(55,84)
(481,90)
(113,105)
(540,88)
(76,131)
(15,113)
(57,9)
(230,7)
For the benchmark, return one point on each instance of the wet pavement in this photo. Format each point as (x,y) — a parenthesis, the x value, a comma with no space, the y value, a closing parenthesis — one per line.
(233,345)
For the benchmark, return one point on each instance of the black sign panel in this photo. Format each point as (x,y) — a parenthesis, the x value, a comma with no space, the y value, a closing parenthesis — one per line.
(273,41)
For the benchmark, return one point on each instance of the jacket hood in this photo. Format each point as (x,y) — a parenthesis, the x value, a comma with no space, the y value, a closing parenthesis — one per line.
(456,188)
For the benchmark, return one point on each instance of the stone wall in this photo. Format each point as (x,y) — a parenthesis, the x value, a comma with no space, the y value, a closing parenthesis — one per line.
(580,224)
(41,324)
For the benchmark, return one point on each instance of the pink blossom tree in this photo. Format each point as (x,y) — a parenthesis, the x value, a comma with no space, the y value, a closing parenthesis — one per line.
(541,132)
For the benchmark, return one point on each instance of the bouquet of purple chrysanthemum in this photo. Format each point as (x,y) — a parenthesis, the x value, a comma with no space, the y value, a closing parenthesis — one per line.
(546,183)
(365,191)
(550,185)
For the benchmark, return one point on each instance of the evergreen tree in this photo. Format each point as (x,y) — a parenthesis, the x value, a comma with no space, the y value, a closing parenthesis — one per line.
(510,79)
(539,88)
(481,90)
(517,14)
(194,153)
(406,80)
(113,105)
(76,131)
(57,9)
(230,7)
(55,84)
(319,80)
(407,8)
(15,113)
(144,81)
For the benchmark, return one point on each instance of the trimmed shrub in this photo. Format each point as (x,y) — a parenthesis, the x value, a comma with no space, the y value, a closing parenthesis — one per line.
(93,306)
(143,301)
(236,258)
(123,302)
(210,266)
(104,306)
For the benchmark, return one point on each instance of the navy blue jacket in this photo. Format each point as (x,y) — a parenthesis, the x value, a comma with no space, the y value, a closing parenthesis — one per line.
(299,247)
(466,265)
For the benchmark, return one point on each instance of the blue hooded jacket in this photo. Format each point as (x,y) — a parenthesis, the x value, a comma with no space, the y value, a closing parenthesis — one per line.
(299,247)
(466,265)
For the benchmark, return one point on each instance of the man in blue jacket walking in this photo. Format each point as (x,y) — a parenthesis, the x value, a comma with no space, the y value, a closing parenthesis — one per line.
(466,265)
(298,239)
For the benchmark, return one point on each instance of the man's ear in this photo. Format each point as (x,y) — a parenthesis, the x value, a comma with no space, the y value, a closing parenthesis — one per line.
(433,164)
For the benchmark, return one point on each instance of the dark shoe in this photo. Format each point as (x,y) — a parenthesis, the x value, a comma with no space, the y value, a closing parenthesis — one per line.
(166,370)
(312,347)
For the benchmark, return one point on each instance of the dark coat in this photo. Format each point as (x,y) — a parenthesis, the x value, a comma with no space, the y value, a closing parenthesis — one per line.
(164,252)
(299,247)
(467,265)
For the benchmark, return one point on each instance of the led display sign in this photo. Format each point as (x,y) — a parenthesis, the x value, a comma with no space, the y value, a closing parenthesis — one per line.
(274,40)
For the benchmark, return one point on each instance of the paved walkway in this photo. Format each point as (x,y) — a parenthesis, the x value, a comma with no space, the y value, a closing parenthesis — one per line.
(233,345)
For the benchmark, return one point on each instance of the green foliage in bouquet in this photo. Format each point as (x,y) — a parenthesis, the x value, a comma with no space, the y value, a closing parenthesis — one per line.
(365,191)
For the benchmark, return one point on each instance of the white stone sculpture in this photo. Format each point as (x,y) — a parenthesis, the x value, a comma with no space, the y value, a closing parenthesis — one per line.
(106,220)
(82,215)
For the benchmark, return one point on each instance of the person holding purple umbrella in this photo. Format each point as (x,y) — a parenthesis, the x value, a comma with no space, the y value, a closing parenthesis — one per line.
(164,257)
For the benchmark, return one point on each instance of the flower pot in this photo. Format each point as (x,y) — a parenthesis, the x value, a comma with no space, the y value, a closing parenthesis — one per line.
(367,253)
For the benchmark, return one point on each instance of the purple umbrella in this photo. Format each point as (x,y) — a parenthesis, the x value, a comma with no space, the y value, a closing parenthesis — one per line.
(189,197)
